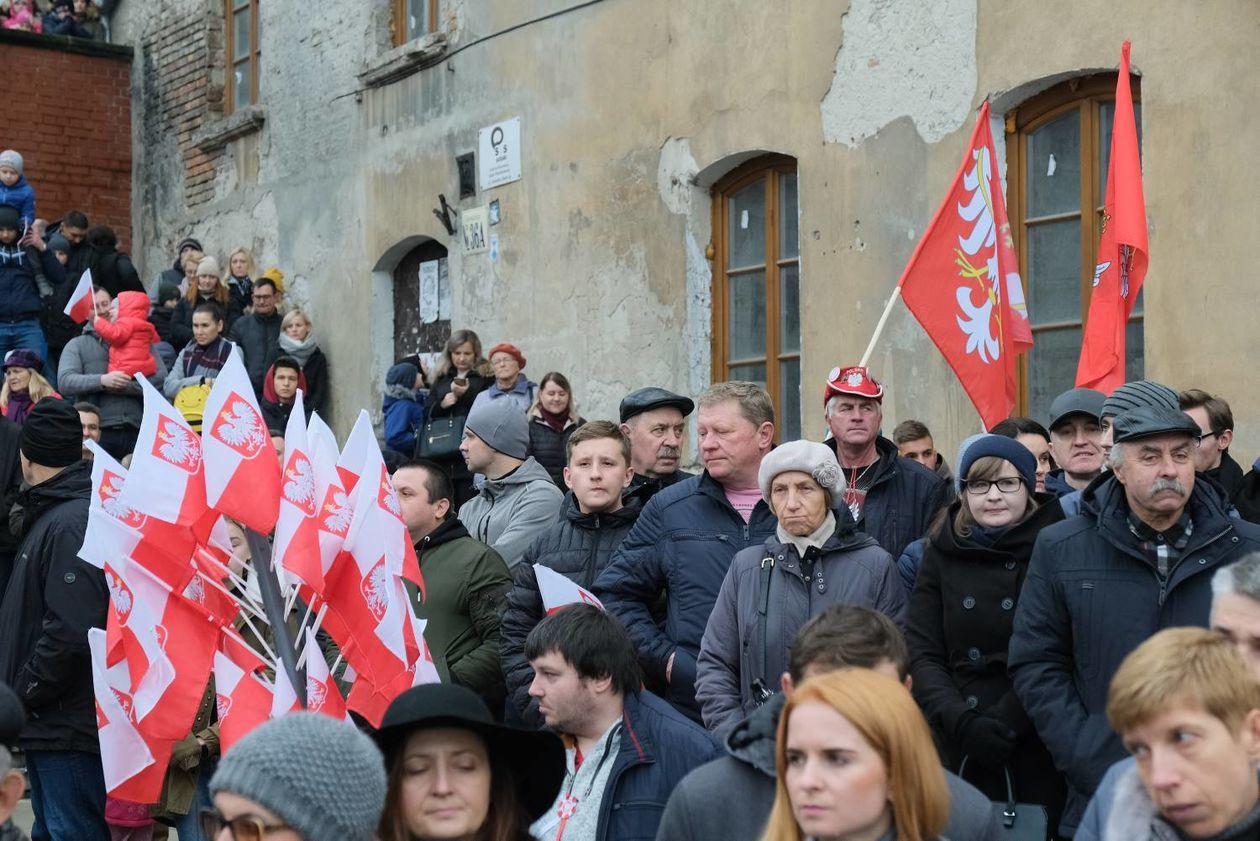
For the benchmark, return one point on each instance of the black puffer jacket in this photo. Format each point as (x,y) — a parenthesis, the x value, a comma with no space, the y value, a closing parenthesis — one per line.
(550,448)
(903,498)
(578,547)
(258,337)
(52,601)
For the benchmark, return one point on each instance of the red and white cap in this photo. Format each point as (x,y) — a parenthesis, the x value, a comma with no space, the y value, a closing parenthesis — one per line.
(854,380)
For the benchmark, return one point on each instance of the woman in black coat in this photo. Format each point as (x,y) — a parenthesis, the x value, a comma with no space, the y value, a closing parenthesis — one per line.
(961,616)
(453,385)
(552,419)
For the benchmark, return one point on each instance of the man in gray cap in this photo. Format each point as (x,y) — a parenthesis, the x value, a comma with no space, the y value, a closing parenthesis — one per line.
(654,420)
(518,500)
(1138,558)
(1135,395)
(1075,440)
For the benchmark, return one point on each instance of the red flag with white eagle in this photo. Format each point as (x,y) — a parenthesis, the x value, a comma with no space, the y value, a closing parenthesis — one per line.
(166,466)
(134,770)
(322,693)
(297,529)
(370,700)
(80,307)
(242,471)
(335,508)
(1123,254)
(242,698)
(962,282)
(558,591)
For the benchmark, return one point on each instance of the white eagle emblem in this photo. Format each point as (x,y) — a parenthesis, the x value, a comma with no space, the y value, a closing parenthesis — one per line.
(222,703)
(299,483)
(375,589)
(196,590)
(977,258)
(108,495)
(316,694)
(388,498)
(239,426)
(176,445)
(120,595)
(339,513)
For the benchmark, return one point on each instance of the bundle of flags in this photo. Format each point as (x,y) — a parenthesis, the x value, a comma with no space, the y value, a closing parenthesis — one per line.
(182,608)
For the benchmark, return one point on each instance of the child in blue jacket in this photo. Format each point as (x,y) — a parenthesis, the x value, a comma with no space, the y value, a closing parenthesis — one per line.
(403,407)
(14,188)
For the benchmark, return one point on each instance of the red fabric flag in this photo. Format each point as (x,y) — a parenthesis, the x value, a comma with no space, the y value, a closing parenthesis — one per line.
(558,591)
(242,699)
(1122,250)
(166,466)
(297,529)
(962,282)
(360,442)
(241,468)
(81,306)
(134,770)
(322,693)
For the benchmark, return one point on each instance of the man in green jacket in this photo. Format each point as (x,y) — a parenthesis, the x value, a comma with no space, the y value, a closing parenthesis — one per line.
(466,583)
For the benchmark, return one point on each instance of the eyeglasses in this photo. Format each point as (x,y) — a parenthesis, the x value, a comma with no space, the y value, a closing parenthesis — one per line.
(242,828)
(1007,485)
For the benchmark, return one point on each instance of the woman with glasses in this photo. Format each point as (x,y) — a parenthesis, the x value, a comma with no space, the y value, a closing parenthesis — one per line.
(961,615)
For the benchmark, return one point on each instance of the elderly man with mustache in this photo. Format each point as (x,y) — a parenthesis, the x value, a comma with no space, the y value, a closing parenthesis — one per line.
(654,420)
(1137,559)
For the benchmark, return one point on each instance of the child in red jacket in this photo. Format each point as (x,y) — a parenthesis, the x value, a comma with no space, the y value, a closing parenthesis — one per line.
(130,335)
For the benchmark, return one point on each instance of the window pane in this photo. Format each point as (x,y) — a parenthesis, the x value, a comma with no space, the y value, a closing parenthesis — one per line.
(1054,272)
(789,419)
(789,236)
(747,234)
(242,88)
(240,34)
(417,18)
(1054,166)
(1052,368)
(790,309)
(752,373)
(1107,116)
(746,315)
(1134,352)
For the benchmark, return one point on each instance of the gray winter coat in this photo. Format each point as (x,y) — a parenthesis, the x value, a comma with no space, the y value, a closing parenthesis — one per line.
(730,798)
(850,568)
(510,512)
(83,361)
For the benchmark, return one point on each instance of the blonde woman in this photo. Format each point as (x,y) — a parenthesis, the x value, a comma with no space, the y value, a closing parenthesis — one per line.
(855,760)
(238,280)
(24,385)
(297,341)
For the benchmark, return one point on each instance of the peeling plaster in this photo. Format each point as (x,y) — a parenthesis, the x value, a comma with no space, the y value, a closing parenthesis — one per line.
(902,59)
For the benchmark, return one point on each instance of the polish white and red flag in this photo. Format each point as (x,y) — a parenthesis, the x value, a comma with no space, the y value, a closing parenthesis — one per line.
(133,770)
(166,466)
(80,307)
(359,445)
(322,693)
(297,529)
(241,469)
(335,507)
(284,699)
(370,700)
(558,591)
(242,697)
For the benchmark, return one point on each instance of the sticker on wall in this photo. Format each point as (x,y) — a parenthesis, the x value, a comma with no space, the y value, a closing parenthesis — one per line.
(473,228)
(494,248)
(499,153)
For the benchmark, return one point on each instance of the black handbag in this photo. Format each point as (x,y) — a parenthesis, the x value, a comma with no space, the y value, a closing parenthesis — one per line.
(439,438)
(1019,821)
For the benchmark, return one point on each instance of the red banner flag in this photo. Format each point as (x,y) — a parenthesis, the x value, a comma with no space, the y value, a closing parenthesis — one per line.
(962,283)
(1122,250)
(81,306)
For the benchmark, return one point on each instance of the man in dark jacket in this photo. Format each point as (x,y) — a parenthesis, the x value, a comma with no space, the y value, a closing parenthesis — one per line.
(626,749)
(1137,559)
(175,274)
(10,484)
(465,583)
(815,559)
(893,499)
(278,401)
(731,797)
(1216,425)
(21,295)
(593,521)
(654,420)
(52,601)
(59,329)
(685,539)
(1076,440)
(258,333)
(112,270)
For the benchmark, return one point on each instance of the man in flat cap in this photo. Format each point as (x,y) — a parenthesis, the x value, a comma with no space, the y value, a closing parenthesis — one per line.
(1138,558)
(1076,435)
(52,601)
(654,420)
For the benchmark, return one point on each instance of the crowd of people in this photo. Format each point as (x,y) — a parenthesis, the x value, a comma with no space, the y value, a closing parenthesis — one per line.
(848,638)
(75,18)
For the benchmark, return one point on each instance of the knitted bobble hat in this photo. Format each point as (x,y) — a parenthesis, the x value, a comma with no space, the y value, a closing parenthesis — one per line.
(321,776)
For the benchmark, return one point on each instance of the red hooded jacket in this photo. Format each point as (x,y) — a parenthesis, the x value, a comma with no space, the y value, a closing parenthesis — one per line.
(130,336)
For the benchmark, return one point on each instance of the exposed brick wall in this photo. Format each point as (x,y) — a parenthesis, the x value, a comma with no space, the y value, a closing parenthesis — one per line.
(68,111)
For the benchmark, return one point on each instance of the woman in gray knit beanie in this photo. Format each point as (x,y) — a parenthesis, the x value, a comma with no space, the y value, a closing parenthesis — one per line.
(301,777)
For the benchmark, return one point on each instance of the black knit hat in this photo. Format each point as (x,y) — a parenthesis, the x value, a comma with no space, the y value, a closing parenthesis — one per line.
(53,434)
(10,217)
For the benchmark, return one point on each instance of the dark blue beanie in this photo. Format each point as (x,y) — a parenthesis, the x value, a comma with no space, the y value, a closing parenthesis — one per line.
(998,446)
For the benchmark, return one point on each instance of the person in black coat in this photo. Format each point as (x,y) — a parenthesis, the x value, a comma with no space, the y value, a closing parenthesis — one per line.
(552,419)
(297,341)
(10,484)
(258,333)
(961,613)
(593,521)
(453,385)
(53,599)
(113,270)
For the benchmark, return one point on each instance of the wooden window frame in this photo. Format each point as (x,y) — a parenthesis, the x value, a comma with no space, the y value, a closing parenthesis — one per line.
(768,168)
(1087,95)
(230,7)
(398,22)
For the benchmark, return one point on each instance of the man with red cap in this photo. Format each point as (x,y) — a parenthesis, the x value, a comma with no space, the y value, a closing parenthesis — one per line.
(893,499)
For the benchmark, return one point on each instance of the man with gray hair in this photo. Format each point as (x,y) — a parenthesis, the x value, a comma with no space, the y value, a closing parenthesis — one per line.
(684,540)
(1137,559)
(893,499)
(1236,606)
(12,783)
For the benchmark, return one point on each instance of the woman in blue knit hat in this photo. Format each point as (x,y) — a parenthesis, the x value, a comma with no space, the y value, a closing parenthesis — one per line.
(961,615)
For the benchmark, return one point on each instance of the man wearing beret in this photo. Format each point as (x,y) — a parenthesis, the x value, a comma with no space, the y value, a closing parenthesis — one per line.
(52,601)
(1137,559)
(654,420)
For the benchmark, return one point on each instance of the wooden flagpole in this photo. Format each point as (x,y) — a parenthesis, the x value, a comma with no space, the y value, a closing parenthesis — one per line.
(879,328)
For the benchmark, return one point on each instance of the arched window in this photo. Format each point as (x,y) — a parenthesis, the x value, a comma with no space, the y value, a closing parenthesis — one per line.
(756,284)
(422,301)
(1058,145)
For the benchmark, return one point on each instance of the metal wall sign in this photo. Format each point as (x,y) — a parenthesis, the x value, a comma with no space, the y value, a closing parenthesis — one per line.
(499,153)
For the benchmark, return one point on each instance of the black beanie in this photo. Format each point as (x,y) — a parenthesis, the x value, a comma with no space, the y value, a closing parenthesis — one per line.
(52,435)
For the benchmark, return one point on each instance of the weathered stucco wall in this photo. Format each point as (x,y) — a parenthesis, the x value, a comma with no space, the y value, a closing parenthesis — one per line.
(631,110)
